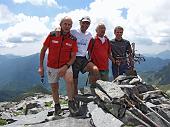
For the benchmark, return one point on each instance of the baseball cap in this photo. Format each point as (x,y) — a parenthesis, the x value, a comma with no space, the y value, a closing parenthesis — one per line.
(85,19)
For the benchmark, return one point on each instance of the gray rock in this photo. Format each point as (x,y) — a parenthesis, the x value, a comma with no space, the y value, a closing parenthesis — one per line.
(112,89)
(102,119)
(65,122)
(28,119)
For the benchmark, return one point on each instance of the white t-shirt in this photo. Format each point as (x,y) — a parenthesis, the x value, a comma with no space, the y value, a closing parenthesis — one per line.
(83,40)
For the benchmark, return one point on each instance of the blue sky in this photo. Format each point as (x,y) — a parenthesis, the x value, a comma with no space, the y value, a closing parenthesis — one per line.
(24,24)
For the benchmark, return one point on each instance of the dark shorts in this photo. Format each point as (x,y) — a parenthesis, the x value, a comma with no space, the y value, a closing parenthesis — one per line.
(79,65)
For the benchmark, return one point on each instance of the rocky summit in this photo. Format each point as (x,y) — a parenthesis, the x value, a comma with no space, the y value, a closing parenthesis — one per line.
(126,101)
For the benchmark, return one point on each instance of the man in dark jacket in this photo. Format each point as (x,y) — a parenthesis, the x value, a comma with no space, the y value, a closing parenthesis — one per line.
(121,52)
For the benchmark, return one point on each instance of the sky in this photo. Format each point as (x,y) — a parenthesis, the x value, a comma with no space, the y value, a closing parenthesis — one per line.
(24,24)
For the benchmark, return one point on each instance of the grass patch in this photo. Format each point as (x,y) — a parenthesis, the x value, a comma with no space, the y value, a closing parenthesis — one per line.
(165,88)
(48,104)
(63,102)
(3,122)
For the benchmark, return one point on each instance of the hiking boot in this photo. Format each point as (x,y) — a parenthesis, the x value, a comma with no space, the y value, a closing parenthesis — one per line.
(72,108)
(57,108)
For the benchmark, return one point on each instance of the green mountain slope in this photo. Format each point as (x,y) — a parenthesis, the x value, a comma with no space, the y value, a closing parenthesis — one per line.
(161,77)
(19,74)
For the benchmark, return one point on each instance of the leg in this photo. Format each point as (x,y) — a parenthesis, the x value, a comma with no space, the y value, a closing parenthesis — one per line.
(57,107)
(55,95)
(75,87)
(75,67)
(69,84)
(70,92)
(53,80)
(94,72)
(114,71)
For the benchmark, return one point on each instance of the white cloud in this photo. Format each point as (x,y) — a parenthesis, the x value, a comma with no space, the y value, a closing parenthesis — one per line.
(28,29)
(147,21)
(21,29)
(5,15)
(38,2)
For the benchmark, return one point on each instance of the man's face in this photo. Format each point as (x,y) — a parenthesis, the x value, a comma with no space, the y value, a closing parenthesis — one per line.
(118,33)
(66,25)
(101,30)
(84,25)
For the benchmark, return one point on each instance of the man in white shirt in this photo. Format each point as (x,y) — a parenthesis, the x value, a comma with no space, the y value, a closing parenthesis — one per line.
(82,63)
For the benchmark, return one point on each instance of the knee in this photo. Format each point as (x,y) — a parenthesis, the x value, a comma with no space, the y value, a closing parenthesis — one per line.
(54,87)
(95,70)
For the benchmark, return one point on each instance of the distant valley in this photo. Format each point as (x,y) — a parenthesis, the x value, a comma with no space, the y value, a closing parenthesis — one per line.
(19,74)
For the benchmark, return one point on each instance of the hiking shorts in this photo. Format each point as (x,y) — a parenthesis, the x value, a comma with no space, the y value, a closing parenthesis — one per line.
(52,74)
(104,72)
(79,65)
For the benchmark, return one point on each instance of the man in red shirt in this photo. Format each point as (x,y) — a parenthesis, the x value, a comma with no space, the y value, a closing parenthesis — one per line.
(62,53)
(100,51)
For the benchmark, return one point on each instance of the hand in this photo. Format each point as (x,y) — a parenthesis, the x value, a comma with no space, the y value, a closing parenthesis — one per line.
(118,62)
(41,71)
(131,68)
(62,71)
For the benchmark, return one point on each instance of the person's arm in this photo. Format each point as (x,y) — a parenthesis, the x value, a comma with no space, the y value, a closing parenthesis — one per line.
(89,49)
(73,57)
(64,68)
(111,58)
(110,53)
(42,56)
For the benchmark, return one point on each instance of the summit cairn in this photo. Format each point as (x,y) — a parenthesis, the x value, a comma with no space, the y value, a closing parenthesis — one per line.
(126,101)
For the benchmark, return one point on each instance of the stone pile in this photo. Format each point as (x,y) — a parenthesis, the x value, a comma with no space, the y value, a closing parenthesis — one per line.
(130,102)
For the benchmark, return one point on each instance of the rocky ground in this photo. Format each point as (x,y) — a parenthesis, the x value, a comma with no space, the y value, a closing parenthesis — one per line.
(126,101)
(33,112)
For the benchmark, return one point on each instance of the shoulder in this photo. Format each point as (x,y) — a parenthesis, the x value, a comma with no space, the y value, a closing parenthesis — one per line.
(53,33)
(107,38)
(73,31)
(88,33)
(73,37)
(112,41)
(126,41)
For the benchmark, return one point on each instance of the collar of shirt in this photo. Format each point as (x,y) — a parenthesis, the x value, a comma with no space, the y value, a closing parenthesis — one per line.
(102,39)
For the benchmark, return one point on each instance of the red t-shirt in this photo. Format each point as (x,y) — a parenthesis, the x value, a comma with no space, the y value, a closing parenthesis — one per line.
(60,49)
(100,53)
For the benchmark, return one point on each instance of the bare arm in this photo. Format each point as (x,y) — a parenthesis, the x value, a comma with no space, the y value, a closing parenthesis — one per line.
(111,58)
(73,57)
(42,56)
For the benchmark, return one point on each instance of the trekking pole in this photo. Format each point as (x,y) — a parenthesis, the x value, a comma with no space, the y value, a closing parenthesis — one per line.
(136,117)
(118,68)
(149,121)
(138,99)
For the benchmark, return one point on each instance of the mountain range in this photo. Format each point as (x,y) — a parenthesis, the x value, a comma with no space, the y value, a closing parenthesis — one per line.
(160,77)
(19,74)
(164,55)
